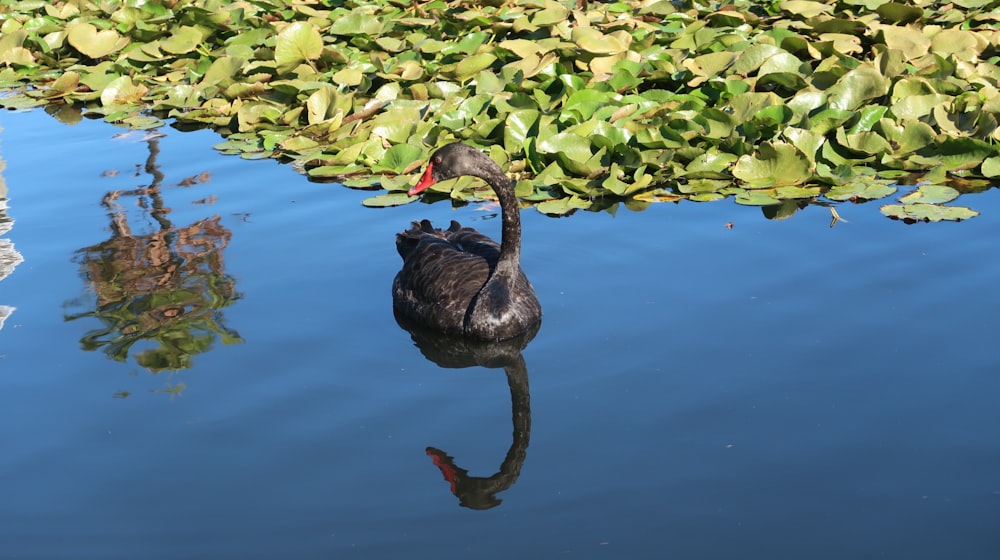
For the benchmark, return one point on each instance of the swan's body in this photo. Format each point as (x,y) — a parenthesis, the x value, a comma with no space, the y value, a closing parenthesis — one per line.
(458,281)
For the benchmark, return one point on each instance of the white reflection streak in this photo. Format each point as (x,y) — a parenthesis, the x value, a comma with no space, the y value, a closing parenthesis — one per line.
(9,257)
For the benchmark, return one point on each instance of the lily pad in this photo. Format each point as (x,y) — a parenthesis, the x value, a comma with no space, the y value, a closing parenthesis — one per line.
(122,91)
(590,105)
(299,42)
(561,206)
(389,199)
(860,190)
(991,167)
(931,194)
(774,165)
(400,157)
(922,212)
(85,38)
(184,40)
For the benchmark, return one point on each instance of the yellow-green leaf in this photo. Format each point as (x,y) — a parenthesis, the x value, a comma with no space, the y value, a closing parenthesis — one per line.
(299,42)
(85,38)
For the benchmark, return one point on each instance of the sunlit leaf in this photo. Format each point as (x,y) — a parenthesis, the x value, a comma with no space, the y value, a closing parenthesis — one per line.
(562,206)
(931,194)
(321,105)
(752,58)
(991,167)
(297,43)
(388,199)
(897,12)
(773,165)
(921,212)
(122,91)
(592,40)
(574,146)
(222,70)
(473,64)
(184,40)
(865,142)
(861,190)
(96,44)
(399,157)
(805,8)
(857,87)
(757,197)
(552,14)
(356,23)
(909,40)
(520,125)
(757,102)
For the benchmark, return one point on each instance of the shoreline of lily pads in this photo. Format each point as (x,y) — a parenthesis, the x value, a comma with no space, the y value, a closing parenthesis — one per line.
(587,105)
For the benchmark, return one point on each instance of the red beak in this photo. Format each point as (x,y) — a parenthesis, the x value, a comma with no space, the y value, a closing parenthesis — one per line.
(426,180)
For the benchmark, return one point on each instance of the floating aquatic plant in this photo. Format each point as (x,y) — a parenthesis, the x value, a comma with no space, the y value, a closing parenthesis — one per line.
(587,104)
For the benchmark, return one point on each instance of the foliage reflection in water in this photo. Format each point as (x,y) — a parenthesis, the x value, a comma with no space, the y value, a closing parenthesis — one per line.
(477,492)
(166,286)
(9,257)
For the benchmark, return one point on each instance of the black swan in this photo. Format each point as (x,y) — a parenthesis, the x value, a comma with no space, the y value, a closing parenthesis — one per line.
(458,281)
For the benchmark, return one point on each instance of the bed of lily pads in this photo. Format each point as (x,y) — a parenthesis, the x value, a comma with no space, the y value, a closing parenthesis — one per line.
(588,104)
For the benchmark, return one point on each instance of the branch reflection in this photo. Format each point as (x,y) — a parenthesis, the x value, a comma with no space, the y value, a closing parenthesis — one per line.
(456,352)
(164,287)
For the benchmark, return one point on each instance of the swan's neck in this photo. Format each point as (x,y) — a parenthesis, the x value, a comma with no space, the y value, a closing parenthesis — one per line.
(510,229)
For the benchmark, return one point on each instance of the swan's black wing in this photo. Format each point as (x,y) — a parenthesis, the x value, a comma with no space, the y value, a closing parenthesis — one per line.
(442,272)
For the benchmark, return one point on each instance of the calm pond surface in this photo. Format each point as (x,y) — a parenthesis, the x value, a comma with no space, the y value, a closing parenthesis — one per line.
(199,360)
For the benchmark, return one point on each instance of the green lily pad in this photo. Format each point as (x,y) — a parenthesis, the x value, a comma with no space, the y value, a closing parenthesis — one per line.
(909,40)
(757,197)
(860,190)
(931,194)
(356,24)
(857,87)
(389,199)
(519,127)
(592,104)
(22,102)
(222,71)
(896,12)
(922,212)
(470,66)
(575,147)
(299,42)
(122,91)
(561,206)
(322,105)
(143,122)
(774,165)
(85,38)
(797,192)
(399,157)
(593,41)
(754,57)
(991,167)
(184,40)
(805,8)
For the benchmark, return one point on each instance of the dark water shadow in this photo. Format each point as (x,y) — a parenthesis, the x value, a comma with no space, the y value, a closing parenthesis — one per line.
(480,492)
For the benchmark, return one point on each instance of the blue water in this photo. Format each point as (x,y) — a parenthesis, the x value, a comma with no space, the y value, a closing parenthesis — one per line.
(778,389)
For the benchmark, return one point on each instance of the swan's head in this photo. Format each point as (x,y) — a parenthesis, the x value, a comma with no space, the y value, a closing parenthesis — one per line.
(453,160)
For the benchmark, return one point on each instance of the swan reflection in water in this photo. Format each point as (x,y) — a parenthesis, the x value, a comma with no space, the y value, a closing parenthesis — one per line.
(478,492)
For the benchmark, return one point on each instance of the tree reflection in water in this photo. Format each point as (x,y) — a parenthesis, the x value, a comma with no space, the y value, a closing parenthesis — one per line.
(9,257)
(165,288)
(456,352)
